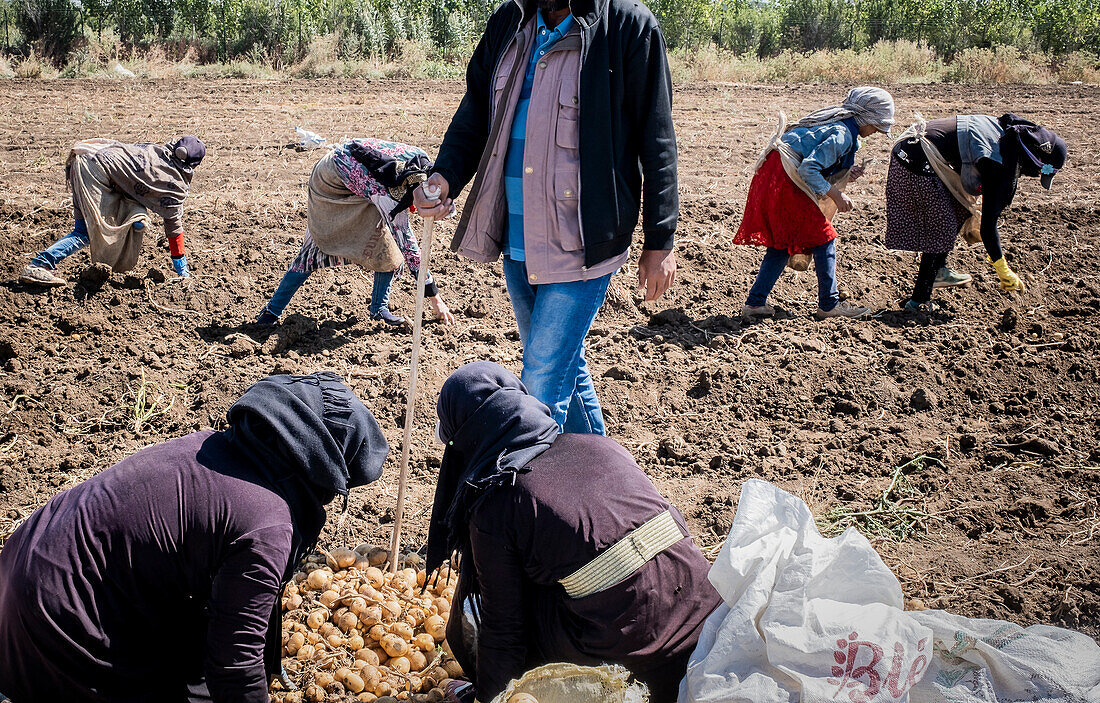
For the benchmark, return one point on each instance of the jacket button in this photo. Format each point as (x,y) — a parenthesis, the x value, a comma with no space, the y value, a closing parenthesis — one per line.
(533,277)
(569,194)
(528,170)
(542,64)
(575,100)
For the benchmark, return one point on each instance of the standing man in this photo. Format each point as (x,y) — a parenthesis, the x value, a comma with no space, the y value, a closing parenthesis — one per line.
(567,124)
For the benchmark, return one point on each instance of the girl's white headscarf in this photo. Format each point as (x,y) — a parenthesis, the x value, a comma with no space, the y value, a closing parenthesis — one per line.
(867,104)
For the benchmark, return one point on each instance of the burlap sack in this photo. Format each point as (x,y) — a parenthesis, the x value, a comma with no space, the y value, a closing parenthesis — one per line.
(109,215)
(569,683)
(347,225)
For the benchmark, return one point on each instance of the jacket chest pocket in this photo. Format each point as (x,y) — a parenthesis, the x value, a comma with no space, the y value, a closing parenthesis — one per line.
(498,94)
(567,166)
(569,111)
(500,80)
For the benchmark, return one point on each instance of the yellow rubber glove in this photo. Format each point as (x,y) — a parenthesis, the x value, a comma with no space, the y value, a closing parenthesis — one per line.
(1009,279)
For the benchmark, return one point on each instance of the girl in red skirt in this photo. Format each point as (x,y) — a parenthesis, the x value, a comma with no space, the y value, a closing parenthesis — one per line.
(798,187)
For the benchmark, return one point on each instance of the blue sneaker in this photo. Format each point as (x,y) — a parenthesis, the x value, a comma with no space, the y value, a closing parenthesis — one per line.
(267,318)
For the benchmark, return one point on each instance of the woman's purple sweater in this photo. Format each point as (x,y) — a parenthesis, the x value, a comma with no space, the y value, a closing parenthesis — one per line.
(159,572)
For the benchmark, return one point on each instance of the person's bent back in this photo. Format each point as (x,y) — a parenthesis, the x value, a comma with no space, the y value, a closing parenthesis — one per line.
(158,579)
(569,552)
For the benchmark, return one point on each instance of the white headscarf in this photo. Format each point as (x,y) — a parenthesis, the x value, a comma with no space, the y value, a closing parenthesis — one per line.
(867,104)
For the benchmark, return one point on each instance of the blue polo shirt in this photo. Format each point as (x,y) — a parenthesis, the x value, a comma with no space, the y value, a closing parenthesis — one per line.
(513,162)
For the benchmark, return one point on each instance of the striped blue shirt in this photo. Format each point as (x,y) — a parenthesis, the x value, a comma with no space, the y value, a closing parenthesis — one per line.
(513,162)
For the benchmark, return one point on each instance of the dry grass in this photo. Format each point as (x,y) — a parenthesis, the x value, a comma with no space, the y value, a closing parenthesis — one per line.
(885,62)
(1078,66)
(893,515)
(1005,64)
(34,66)
(8,527)
(149,402)
(413,61)
(235,69)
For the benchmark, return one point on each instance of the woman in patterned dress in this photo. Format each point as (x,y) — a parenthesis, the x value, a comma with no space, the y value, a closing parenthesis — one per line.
(937,171)
(359,188)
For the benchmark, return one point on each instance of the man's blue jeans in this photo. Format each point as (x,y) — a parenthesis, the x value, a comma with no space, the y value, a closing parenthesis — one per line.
(771,268)
(66,246)
(293,280)
(553,319)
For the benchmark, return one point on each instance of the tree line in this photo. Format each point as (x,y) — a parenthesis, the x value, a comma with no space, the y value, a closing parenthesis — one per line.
(280,31)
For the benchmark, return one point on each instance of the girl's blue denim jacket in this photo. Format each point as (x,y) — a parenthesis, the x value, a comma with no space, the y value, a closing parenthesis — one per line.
(826,150)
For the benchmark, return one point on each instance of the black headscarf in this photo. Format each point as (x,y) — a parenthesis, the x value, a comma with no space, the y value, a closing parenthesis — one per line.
(1038,151)
(309,439)
(186,153)
(492,428)
(398,176)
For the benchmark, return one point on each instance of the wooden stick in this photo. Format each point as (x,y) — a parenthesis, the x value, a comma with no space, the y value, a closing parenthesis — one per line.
(410,403)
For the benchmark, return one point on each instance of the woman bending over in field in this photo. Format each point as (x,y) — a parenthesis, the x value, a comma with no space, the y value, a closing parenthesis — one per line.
(799,186)
(544,523)
(114,186)
(358,196)
(159,578)
(937,171)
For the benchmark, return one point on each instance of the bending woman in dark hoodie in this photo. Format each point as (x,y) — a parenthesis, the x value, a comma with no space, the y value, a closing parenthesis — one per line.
(158,579)
(527,508)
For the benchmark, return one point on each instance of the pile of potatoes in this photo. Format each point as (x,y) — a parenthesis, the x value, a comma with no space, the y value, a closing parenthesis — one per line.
(353,632)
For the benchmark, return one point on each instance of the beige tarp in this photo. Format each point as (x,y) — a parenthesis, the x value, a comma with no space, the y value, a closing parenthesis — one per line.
(347,225)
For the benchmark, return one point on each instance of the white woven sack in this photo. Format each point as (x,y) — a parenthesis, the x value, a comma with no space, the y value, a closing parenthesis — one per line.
(807,619)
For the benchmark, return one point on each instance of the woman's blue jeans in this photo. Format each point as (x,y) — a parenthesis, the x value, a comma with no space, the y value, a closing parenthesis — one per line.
(771,268)
(66,246)
(553,319)
(293,280)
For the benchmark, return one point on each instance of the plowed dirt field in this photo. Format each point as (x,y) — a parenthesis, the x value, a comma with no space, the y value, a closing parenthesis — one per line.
(1000,393)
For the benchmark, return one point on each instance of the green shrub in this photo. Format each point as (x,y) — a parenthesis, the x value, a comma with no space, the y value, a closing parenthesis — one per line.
(51,27)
